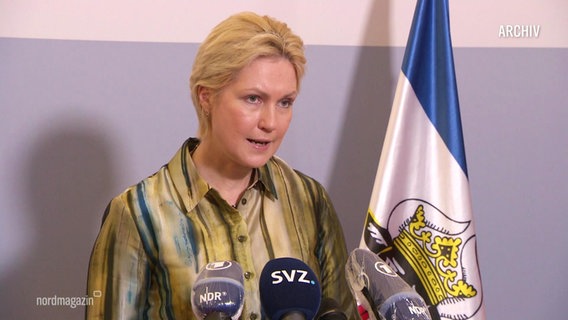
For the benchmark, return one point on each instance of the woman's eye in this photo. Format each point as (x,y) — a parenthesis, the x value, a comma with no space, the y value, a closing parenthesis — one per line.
(253,99)
(286,103)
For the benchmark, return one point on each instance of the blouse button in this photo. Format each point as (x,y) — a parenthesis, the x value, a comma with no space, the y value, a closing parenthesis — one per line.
(243,201)
(242,238)
(248,275)
(253,316)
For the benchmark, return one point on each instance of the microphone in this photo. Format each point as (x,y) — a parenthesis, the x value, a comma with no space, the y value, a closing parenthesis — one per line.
(380,291)
(289,290)
(218,292)
(330,310)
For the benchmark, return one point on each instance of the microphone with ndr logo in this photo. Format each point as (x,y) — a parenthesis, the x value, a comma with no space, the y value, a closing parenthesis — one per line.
(218,292)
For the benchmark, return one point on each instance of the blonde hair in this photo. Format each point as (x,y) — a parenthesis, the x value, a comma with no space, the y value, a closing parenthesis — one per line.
(233,44)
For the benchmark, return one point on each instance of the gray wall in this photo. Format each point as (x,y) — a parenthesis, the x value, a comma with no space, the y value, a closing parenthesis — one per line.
(80,121)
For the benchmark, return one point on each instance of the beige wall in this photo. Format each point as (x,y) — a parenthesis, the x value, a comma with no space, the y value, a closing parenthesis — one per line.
(475,23)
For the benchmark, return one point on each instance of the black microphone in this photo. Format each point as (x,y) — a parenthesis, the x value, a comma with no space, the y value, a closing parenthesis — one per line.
(330,310)
(289,290)
(218,292)
(381,291)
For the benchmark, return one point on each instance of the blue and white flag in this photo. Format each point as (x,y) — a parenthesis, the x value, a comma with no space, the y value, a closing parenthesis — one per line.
(420,214)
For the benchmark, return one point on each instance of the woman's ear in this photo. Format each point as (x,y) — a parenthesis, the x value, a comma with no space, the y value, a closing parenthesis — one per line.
(204,95)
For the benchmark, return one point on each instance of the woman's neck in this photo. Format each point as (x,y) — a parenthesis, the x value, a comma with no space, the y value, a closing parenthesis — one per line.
(229,180)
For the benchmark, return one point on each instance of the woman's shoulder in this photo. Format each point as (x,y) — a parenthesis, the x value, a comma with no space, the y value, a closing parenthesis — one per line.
(144,190)
(298,187)
(279,166)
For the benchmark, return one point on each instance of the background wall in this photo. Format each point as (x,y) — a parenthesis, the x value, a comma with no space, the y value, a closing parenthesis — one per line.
(93,99)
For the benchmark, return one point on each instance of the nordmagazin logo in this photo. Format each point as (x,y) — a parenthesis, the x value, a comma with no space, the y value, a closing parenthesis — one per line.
(66,301)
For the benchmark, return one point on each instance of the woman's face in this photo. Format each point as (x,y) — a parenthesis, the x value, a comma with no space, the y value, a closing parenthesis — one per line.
(251,115)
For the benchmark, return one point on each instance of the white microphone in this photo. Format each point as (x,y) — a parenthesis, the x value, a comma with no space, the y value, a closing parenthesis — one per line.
(380,290)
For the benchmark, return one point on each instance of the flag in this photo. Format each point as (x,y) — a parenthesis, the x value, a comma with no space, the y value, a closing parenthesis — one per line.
(420,215)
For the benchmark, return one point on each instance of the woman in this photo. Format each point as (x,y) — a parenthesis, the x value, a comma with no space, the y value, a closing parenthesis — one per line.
(224,195)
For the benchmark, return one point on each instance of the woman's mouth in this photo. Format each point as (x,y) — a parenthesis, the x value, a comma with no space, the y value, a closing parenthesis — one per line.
(260,143)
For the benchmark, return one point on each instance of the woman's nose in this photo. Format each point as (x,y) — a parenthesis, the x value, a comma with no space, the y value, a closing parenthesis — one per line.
(267,119)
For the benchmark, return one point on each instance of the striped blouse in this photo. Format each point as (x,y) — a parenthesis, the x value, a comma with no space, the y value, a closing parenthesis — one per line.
(157,235)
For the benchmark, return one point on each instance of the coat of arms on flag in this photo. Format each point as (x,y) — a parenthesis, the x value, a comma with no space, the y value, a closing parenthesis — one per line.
(420,216)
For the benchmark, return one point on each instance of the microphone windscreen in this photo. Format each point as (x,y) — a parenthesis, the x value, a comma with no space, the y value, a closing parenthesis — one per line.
(405,305)
(288,285)
(379,289)
(219,289)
